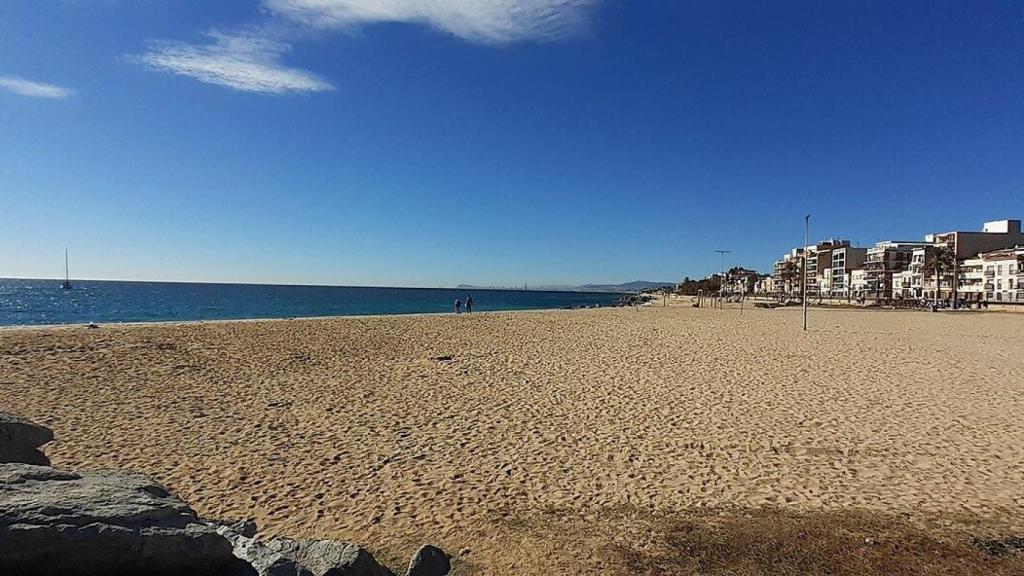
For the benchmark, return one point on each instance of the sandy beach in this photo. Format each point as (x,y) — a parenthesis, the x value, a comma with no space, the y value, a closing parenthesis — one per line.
(473,431)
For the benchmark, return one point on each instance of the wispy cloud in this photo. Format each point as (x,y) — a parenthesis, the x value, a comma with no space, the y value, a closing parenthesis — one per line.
(486,21)
(252,60)
(34,89)
(247,62)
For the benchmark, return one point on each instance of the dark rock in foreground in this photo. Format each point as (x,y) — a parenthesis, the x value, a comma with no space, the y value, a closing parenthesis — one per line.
(104,522)
(429,561)
(20,440)
(109,523)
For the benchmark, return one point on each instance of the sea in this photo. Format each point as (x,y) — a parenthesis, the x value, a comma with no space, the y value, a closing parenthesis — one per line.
(35,302)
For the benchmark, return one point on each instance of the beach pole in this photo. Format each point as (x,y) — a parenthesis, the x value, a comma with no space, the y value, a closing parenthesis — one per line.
(721,280)
(803,285)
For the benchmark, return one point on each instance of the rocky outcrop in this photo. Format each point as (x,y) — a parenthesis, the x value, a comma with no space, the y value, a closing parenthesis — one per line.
(110,523)
(103,522)
(20,440)
(634,299)
(304,557)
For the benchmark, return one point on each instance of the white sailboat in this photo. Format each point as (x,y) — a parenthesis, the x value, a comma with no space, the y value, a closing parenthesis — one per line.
(67,279)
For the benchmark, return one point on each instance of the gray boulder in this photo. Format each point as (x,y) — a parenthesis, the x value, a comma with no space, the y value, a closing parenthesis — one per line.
(234,528)
(429,561)
(304,557)
(20,440)
(111,523)
(103,522)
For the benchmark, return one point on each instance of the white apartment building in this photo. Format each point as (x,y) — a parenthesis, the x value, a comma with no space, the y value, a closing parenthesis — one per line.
(845,259)
(1003,273)
(996,236)
(903,285)
(972,280)
(859,282)
(883,262)
(787,273)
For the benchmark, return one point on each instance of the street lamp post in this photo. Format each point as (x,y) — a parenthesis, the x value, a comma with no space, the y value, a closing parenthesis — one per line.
(803,288)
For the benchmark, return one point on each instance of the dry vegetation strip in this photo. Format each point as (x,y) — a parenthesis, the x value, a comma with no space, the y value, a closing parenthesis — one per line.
(764,542)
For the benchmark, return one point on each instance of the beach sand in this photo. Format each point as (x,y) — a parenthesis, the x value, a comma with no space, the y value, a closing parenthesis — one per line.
(506,436)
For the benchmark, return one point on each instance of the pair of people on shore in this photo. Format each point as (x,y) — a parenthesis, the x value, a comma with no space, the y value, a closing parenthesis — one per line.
(469,304)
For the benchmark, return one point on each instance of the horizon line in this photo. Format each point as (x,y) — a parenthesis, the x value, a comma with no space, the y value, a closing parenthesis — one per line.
(223,283)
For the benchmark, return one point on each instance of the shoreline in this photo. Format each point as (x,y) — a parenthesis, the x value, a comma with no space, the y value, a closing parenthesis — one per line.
(651,304)
(145,323)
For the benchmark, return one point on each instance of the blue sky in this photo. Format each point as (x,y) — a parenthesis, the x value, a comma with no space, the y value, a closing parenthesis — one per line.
(391,142)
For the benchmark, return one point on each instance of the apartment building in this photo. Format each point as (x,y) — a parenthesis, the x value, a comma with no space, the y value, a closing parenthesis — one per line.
(972,279)
(1003,274)
(820,266)
(859,282)
(845,259)
(989,267)
(741,280)
(903,285)
(994,237)
(787,272)
(884,260)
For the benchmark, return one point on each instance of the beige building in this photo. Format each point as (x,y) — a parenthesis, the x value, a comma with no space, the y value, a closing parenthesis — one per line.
(994,235)
(819,266)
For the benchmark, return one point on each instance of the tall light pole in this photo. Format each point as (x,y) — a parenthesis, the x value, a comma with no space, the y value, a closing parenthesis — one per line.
(721,279)
(803,285)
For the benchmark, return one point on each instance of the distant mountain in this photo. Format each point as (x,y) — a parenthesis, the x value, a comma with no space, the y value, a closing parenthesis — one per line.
(635,286)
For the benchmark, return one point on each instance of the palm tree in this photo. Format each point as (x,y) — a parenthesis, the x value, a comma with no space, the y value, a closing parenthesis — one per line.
(788,274)
(940,260)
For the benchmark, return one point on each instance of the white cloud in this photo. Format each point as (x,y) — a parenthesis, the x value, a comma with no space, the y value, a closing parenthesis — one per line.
(486,21)
(33,89)
(252,60)
(245,62)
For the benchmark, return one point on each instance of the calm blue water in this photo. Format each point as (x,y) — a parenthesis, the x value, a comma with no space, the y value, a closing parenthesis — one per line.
(43,302)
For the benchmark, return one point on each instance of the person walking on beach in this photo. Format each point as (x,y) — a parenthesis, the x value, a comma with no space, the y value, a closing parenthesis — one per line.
(458,306)
(469,303)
